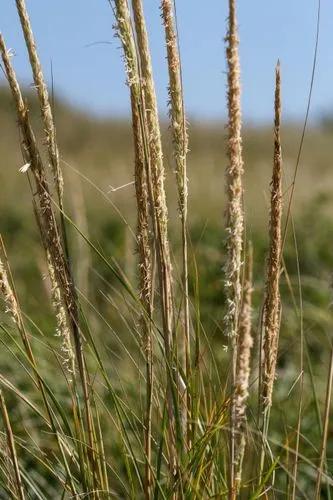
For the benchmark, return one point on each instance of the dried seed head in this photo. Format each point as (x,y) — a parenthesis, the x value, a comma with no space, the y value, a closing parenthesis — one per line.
(43,96)
(272,305)
(245,344)
(234,187)
(63,330)
(234,221)
(177,112)
(8,295)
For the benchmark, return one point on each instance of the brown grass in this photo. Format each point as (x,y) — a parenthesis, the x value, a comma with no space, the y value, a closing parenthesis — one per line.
(234,219)
(272,305)
(180,144)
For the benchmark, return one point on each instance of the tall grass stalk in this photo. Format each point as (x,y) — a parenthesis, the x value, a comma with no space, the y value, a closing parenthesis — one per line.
(174,385)
(272,303)
(168,418)
(145,288)
(50,235)
(234,220)
(44,212)
(144,209)
(143,100)
(43,96)
(180,142)
(157,177)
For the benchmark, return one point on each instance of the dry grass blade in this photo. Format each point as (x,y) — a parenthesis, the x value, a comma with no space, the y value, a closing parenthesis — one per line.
(12,448)
(234,217)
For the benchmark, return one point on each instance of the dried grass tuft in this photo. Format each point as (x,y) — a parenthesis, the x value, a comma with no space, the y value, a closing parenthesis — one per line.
(234,217)
(42,200)
(8,295)
(272,304)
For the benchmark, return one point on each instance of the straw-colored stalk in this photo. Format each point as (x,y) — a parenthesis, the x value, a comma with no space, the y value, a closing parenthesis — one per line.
(144,112)
(272,304)
(43,96)
(145,287)
(143,198)
(50,233)
(46,219)
(180,142)
(234,217)
(157,172)
(12,448)
(245,344)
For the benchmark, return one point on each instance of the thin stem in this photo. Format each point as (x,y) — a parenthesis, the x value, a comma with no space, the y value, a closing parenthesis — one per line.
(272,303)
(235,220)
(325,428)
(12,447)
(180,141)
(300,405)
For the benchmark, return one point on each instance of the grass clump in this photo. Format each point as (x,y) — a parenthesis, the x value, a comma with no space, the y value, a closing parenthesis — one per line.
(135,396)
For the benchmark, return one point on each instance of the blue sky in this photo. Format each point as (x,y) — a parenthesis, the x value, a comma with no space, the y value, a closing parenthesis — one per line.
(77,36)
